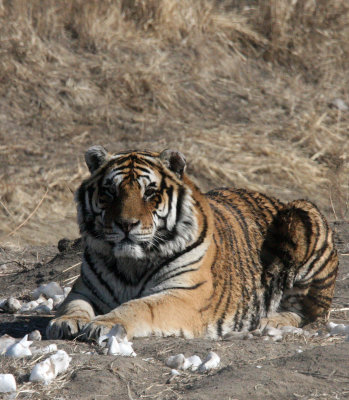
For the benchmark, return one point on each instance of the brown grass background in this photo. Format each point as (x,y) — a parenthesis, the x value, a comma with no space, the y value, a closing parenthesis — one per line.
(243,88)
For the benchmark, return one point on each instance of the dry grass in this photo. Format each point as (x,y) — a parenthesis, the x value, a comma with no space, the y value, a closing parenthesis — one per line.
(242,87)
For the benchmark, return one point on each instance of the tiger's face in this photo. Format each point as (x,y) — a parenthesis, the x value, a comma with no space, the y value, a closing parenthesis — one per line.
(136,202)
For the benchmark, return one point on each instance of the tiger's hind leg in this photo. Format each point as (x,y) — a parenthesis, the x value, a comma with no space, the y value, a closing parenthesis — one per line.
(300,238)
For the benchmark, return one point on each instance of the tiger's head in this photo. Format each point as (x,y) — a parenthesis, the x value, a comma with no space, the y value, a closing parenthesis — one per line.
(136,204)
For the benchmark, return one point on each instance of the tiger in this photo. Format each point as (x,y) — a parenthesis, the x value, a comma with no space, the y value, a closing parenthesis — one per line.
(162,258)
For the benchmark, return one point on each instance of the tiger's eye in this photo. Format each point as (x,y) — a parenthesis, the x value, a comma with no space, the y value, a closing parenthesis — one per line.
(149,192)
(109,191)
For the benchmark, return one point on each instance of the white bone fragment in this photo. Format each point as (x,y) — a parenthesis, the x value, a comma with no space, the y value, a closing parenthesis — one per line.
(271,331)
(175,362)
(5,342)
(45,350)
(174,372)
(211,361)
(47,370)
(35,335)
(117,342)
(276,338)
(13,305)
(7,383)
(113,347)
(337,329)
(20,349)
(120,347)
(28,306)
(126,348)
(48,290)
(291,330)
(3,303)
(58,300)
(248,335)
(193,361)
(45,307)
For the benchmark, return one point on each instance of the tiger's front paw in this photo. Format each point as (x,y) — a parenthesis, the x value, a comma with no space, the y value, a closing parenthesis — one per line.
(100,326)
(65,327)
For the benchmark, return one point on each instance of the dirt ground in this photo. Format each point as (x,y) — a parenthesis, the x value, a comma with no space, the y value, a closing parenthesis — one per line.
(295,368)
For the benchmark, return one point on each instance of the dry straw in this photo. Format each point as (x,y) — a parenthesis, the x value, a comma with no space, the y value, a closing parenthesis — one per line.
(244,88)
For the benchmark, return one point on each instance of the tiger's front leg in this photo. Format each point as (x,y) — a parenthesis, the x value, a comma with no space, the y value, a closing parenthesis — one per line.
(170,314)
(74,313)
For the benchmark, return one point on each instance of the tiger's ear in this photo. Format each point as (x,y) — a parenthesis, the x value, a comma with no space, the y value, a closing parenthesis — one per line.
(174,161)
(95,156)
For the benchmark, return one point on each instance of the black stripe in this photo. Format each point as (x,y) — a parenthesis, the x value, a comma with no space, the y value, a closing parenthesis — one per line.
(193,246)
(146,170)
(197,285)
(240,218)
(177,274)
(164,277)
(321,280)
(235,249)
(324,285)
(99,277)
(324,263)
(323,302)
(89,285)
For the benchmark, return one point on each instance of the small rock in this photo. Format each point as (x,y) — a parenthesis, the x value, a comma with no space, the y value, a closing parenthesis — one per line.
(42,309)
(339,104)
(248,336)
(337,329)
(176,361)
(3,303)
(13,305)
(66,290)
(64,244)
(28,306)
(35,335)
(7,383)
(276,338)
(174,372)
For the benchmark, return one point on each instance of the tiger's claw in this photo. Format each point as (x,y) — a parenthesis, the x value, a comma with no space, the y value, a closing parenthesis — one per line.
(96,329)
(65,327)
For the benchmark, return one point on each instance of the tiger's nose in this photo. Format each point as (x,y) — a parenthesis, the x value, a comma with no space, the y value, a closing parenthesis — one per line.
(128,225)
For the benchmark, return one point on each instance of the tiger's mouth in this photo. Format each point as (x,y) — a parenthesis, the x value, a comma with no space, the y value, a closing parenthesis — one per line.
(128,248)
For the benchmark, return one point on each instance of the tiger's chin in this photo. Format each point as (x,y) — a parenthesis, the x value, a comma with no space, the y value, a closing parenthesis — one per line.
(128,249)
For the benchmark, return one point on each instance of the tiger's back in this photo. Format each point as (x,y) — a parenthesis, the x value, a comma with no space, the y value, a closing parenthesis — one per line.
(163,258)
(270,257)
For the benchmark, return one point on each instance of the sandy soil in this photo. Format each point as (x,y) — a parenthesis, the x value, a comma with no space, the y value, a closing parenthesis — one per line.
(296,368)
